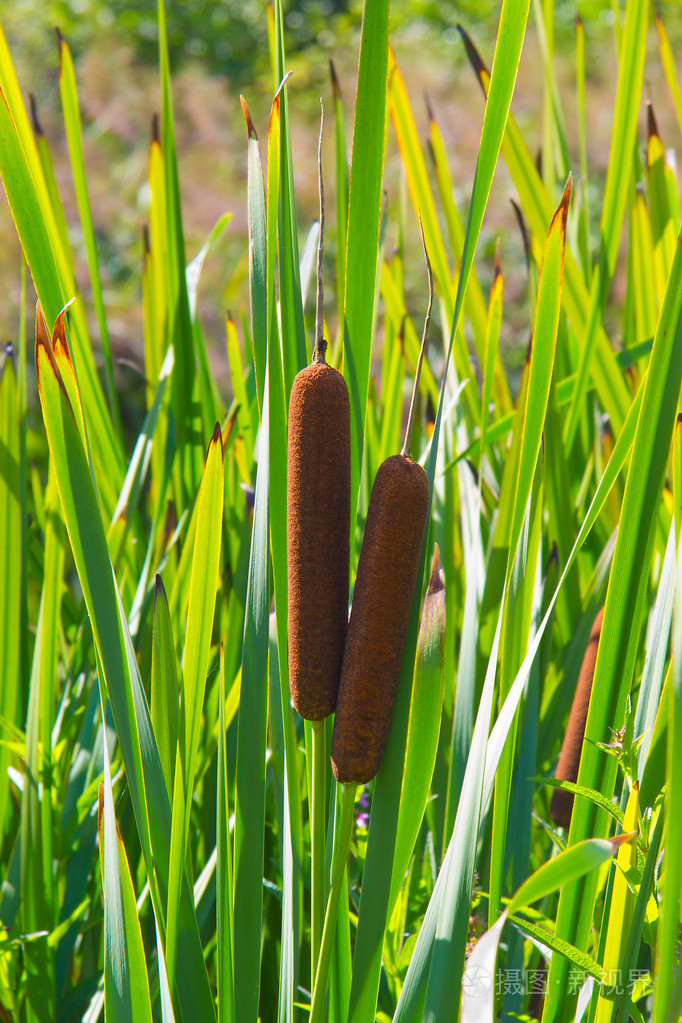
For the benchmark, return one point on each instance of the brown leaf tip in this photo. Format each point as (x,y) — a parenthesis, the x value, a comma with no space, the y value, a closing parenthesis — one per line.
(497,269)
(436,580)
(429,110)
(34,116)
(472,53)
(619,840)
(679,419)
(217,435)
(247,117)
(651,121)
(336,87)
(566,198)
(156,131)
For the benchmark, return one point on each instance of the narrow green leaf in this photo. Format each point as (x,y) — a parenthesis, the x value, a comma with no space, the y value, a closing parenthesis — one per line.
(424,726)
(72,123)
(164,685)
(224,873)
(364,218)
(11,501)
(257,255)
(668,61)
(201,607)
(126,984)
(184,390)
(250,781)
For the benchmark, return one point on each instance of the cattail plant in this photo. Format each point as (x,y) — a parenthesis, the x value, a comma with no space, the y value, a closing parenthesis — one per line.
(318,522)
(384,589)
(571,749)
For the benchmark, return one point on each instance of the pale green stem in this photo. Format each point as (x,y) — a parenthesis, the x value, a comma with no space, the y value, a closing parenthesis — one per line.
(341,846)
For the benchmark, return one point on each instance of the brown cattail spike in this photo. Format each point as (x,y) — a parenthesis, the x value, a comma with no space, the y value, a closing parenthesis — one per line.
(318,536)
(569,759)
(318,522)
(384,588)
(380,615)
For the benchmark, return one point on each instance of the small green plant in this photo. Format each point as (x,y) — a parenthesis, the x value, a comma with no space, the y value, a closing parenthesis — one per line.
(174,842)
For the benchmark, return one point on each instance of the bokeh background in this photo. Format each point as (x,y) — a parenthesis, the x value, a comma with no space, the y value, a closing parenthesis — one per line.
(219,49)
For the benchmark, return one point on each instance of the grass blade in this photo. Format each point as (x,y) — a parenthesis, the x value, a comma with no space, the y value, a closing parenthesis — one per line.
(250,781)
(72,123)
(364,219)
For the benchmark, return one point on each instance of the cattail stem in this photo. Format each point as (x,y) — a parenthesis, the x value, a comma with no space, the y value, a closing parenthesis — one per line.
(342,835)
(415,390)
(320,343)
(317,842)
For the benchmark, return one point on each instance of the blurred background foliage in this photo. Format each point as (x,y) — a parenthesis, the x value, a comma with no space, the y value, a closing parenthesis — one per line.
(219,49)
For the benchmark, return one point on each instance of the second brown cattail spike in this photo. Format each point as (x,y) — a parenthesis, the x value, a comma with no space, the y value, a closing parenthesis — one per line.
(382,601)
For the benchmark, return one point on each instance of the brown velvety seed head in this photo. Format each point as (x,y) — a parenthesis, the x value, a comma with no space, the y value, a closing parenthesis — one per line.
(567,768)
(384,589)
(318,536)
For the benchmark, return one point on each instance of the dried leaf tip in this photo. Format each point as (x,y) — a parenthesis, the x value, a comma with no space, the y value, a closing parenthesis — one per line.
(59,342)
(217,435)
(247,117)
(336,87)
(651,121)
(619,840)
(566,197)
(37,128)
(497,269)
(283,83)
(436,581)
(473,54)
(156,130)
(61,41)
(415,390)
(42,332)
(678,421)
(429,110)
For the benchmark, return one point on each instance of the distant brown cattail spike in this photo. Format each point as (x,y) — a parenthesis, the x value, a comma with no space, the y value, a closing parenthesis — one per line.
(382,601)
(318,526)
(569,759)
